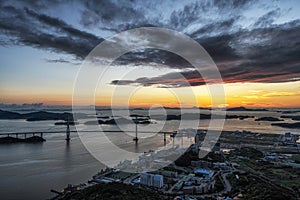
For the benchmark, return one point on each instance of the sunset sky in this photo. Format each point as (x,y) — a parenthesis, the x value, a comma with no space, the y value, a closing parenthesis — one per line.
(255,45)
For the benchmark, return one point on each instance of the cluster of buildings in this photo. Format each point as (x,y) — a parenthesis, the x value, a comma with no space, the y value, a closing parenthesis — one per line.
(151,160)
(199,182)
(211,145)
(199,178)
(278,159)
(289,139)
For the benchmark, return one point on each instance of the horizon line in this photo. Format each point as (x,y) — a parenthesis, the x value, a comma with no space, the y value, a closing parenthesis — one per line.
(40,105)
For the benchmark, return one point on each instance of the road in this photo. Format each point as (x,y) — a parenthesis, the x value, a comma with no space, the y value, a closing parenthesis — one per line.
(226,183)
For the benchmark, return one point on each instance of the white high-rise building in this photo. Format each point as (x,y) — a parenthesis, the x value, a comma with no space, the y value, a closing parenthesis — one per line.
(152,180)
(144,179)
(158,181)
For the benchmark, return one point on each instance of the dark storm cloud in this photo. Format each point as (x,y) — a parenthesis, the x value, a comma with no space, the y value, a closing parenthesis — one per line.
(217,46)
(27,27)
(262,52)
(119,16)
(174,79)
(60,60)
(202,11)
(264,55)
(144,57)
(63,60)
(220,27)
(268,18)
(110,12)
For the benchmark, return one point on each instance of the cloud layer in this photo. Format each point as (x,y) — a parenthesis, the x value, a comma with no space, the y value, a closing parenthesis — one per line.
(259,48)
(24,26)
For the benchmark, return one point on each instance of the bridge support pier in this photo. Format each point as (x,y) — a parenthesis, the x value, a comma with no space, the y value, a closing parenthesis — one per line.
(68,132)
(136,139)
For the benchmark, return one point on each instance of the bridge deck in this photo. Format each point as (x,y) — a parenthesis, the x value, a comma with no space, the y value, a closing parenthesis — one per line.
(106,131)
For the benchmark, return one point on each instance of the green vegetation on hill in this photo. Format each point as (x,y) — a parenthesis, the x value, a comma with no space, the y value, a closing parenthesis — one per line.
(113,191)
(254,187)
(249,152)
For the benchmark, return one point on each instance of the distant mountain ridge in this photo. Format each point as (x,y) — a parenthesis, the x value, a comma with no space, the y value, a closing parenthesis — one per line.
(9,115)
(44,115)
(36,116)
(241,108)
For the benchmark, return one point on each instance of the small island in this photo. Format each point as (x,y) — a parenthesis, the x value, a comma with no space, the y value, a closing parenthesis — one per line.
(292,117)
(287,125)
(241,108)
(41,116)
(270,119)
(120,120)
(10,140)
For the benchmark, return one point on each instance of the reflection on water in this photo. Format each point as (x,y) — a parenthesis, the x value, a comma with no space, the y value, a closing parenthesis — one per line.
(136,145)
(34,169)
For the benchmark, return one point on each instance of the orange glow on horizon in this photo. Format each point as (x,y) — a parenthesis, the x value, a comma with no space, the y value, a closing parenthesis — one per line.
(237,94)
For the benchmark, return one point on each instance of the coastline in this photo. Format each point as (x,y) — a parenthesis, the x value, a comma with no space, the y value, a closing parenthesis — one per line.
(268,143)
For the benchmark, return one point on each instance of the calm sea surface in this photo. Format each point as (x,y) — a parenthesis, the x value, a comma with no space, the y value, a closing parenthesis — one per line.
(29,171)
